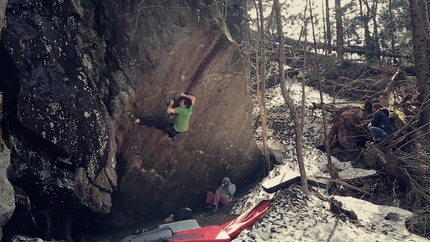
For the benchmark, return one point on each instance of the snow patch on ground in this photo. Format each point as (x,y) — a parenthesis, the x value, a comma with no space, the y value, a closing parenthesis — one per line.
(295,217)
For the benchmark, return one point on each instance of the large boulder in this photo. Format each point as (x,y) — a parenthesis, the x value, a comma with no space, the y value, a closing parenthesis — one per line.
(73,72)
(60,131)
(188,52)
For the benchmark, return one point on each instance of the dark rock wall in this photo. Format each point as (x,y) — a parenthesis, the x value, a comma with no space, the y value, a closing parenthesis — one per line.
(76,70)
(58,128)
(62,135)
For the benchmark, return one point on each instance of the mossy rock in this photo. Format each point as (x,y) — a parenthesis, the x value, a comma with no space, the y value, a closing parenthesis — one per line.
(399,118)
(369,160)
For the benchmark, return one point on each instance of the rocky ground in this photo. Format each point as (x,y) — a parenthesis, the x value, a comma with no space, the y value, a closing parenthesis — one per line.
(203,218)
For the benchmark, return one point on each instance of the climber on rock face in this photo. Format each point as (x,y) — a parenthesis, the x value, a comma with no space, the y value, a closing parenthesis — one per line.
(183,114)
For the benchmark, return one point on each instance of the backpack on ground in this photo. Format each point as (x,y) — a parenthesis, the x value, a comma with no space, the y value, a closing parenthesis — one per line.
(183,214)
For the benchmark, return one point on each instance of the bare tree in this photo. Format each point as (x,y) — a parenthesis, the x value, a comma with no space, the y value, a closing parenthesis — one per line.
(375,43)
(372,43)
(339,30)
(245,33)
(261,79)
(364,16)
(290,103)
(330,166)
(390,12)
(421,39)
(328,26)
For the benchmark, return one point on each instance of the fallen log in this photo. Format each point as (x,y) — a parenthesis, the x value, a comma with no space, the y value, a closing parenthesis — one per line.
(328,107)
(345,79)
(340,182)
(340,84)
(389,162)
(389,88)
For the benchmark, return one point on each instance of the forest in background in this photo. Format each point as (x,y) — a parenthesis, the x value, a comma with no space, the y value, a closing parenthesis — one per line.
(356,30)
(365,51)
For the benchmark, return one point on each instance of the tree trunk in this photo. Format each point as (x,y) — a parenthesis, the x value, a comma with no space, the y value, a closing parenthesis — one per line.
(375,42)
(392,39)
(328,24)
(388,161)
(261,80)
(339,30)
(245,33)
(330,166)
(420,30)
(290,102)
(365,19)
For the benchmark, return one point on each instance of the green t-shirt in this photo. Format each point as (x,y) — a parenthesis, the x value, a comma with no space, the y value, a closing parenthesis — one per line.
(183,116)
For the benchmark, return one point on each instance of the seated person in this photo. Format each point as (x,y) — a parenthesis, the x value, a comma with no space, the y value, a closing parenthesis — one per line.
(380,126)
(223,195)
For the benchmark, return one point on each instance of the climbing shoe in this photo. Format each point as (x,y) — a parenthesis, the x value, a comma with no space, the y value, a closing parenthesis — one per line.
(170,219)
(214,210)
(135,119)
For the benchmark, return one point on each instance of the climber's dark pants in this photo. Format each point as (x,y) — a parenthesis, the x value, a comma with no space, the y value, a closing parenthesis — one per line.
(168,128)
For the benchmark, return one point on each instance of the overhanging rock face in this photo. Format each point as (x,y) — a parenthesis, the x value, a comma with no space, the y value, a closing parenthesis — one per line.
(186,51)
(79,71)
